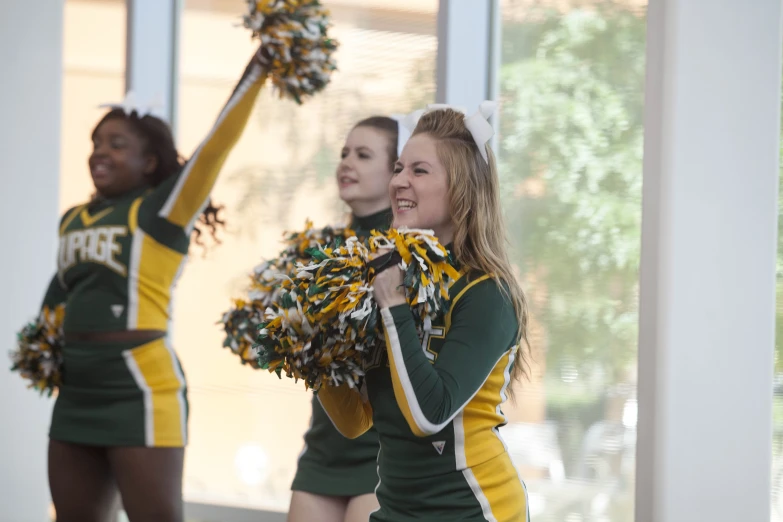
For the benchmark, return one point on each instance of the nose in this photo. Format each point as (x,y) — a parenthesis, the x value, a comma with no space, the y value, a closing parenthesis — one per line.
(100,150)
(400,180)
(346,165)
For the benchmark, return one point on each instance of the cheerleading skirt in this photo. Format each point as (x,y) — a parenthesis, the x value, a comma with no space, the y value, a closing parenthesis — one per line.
(334,466)
(121,394)
(488,491)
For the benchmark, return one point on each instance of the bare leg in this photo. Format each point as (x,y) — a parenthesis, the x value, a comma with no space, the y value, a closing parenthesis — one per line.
(150,482)
(307,507)
(81,483)
(359,508)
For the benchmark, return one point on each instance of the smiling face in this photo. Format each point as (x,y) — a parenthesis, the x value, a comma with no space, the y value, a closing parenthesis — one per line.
(419,189)
(364,171)
(118,163)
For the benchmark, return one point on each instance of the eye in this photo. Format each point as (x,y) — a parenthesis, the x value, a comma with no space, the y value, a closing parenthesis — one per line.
(343,154)
(397,169)
(419,170)
(117,143)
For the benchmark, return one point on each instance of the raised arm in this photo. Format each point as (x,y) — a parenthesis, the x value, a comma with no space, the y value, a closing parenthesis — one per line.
(347,409)
(180,199)
(481,330)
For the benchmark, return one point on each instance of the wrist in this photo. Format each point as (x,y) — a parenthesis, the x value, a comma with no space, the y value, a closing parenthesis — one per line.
(393,301)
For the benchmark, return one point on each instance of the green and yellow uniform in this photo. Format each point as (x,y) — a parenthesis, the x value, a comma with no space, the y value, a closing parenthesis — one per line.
(118,263)
(435,402)
(330,464)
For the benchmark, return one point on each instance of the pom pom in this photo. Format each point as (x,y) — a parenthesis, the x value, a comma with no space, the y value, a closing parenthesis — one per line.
(38,354)
(241,326)
(294,43)
(326,325)
(240,323)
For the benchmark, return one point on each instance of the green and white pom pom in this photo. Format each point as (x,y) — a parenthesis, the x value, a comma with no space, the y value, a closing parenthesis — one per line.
(240,323)
(38,354)
(326,326)
(295,44)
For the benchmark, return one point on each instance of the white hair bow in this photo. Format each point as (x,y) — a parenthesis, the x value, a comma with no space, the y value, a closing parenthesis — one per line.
(403,132)
(130,104)
(477,123)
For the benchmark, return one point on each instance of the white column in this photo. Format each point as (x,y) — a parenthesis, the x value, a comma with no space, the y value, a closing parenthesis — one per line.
(707,278)
(31,42)
(465,50)
(151,54)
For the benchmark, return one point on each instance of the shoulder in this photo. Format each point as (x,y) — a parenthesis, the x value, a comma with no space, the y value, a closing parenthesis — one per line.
(69,214)
(483,296)
(476,286)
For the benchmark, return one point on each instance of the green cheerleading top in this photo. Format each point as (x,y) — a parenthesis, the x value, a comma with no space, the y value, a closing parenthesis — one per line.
(435,402)
(119,259)
(331,464)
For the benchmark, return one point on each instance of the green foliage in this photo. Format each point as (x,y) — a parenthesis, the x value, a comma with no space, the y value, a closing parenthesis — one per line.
(571,167)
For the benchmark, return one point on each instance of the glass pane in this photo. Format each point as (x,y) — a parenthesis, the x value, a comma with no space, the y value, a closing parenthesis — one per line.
(246,426)
(570,155)
(777,400)
(94,73)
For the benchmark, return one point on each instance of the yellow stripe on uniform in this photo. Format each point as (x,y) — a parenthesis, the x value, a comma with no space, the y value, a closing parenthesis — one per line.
(350,414)
(71,216)
(196,181)
(459,296)
(499,490)
(156,372)
(403,389)
(133,214)
(478,443)
(153,271)
(477,439)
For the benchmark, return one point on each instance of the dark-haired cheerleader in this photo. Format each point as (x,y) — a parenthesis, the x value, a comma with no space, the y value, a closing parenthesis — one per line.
(120,419)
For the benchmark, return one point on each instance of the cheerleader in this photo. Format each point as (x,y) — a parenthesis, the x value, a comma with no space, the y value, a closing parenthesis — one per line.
(120,419)
(336,477)
(435,399)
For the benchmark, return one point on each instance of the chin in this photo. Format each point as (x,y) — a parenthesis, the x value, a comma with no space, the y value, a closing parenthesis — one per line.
(348,194)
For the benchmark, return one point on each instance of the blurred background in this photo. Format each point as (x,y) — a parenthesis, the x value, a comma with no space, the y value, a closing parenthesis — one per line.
(570,78)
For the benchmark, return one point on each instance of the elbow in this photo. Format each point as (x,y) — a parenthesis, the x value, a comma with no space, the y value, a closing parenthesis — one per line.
(424,430)
(351,430)
(423,433)
(354,432)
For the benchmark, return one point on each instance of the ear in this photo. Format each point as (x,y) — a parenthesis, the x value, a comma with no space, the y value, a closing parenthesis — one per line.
(150,164)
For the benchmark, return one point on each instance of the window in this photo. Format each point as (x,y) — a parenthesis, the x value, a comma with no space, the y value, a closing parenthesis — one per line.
(94,63)
(777,404)
(246,426)
(570,156)
(94,73)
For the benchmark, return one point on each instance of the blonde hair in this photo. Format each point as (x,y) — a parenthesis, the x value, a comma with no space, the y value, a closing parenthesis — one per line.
(474,203)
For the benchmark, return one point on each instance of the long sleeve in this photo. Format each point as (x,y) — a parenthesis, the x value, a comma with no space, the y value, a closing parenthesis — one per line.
(347,409)
(55,294)
(181,198)
(480,334)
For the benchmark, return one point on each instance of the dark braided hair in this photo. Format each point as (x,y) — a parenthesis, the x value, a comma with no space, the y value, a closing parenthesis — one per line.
(159,141)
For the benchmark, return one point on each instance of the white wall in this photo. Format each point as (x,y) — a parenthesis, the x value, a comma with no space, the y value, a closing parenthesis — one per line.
(31,65)
(708,260)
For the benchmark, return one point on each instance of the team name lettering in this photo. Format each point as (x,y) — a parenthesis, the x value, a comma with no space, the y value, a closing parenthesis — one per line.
(92,245)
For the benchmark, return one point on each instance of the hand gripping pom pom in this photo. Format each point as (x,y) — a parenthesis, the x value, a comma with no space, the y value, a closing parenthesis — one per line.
(294,44)
(241,322)
(326,327)
(38,354)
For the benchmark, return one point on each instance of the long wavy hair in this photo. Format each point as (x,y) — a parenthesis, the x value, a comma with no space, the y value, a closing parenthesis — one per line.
(474,202)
